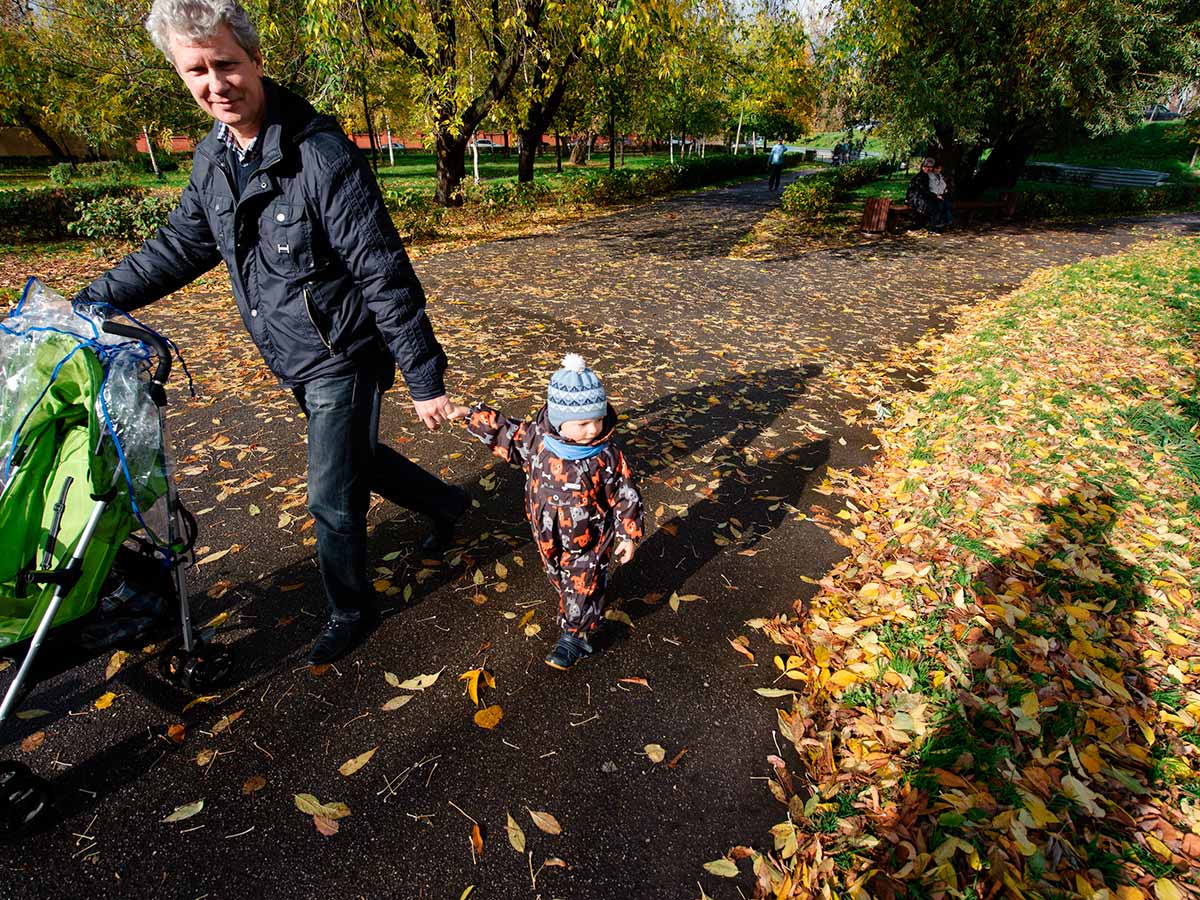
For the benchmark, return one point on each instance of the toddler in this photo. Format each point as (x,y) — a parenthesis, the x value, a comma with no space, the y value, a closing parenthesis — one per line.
(580,498)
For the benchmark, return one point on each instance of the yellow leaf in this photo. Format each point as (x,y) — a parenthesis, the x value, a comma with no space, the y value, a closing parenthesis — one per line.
(471,677)
(843,678)
(656,753)
(207,698)
(105,700)
(516,836)
(1165,889)
(396,702)
(489,716)
(350,766)
(420,682)
(114,664)
(185,812)
(310,805)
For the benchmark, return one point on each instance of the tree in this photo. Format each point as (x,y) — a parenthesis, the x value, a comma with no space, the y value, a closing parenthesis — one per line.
(465,54)
(1005,76)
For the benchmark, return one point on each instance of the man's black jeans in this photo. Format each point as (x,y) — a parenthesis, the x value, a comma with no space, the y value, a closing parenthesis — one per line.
(346,463)
(775,172)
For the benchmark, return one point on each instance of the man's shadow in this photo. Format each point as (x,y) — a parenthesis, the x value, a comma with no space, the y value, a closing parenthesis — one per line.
(1075,654)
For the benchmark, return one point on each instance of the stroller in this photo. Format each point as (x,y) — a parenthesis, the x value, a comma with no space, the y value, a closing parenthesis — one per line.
(85,471)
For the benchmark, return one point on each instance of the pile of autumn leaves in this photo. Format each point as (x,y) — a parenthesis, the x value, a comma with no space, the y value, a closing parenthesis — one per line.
(998,690)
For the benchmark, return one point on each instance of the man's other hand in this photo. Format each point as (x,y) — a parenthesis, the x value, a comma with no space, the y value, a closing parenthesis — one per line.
(436,411)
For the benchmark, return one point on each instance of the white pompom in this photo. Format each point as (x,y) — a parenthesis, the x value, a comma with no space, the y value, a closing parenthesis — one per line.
(574,362)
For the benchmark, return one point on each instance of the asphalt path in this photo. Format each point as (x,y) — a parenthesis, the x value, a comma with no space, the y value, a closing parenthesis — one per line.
(740,384)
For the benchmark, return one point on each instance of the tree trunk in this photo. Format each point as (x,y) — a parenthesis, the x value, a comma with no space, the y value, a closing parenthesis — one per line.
(1002,168)
(370,130)
(506,143)
(558,152)
(59,153)
(527,154)
(612,141)
(451,168)
(579,152)
(150,150)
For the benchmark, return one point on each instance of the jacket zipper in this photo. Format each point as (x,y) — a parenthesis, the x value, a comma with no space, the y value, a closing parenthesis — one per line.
(308,308)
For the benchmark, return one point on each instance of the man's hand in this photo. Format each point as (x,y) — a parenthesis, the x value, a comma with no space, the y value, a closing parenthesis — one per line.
(438,410)
(624,552)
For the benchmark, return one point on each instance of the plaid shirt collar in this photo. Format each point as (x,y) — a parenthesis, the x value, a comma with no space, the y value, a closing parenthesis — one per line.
(225,136)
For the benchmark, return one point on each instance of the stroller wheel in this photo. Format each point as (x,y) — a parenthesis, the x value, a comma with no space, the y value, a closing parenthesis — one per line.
(208,666)
(24,797)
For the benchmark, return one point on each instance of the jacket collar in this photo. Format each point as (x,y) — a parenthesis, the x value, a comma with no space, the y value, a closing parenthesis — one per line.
(288,119)
(610,425)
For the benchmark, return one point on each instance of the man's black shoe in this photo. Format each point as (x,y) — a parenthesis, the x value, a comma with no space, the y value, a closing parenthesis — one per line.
(339,637)
(441,536)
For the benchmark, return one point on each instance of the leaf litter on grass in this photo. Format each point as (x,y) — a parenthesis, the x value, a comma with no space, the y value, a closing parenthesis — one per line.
(996,690)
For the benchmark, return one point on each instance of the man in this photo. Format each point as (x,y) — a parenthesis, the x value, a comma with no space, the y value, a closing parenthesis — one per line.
(928,195)
(321,280)
(775,165)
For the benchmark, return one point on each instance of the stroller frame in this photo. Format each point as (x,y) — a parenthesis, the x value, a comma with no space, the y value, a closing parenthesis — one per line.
(191,660)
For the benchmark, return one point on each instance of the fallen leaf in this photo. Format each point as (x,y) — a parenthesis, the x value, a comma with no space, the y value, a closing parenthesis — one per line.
(656,753)
(532,630)
(724,867)
(642,681)
(392,678)
(212,557)
(177,732)
(32,713)
(773,692)
(396,702)
(350,766)
(105,700)
(207,698)
(185,812)
(1165,889)
(675,760)
(33,741)
(310,805)
(741,648)
(555,861)
(516,836)
(617,615)
(420,682)
(489,716)
(205,756)
(544,821)
(476,839)
(254,783)
(325,826)
(117,660)
(225,721)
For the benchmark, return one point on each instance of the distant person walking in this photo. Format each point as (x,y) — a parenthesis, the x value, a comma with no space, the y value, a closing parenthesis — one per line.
(775,165)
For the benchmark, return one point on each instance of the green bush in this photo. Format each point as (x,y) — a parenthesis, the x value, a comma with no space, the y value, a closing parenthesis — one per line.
(808,197)
(110,168)
(130,217)
(1043,203)
(60,175)
(416,213)
(41,214)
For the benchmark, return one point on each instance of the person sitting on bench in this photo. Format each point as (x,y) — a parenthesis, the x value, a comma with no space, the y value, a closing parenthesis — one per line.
(929,196)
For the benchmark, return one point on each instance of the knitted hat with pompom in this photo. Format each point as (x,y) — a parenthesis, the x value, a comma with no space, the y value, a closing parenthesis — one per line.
(575,393)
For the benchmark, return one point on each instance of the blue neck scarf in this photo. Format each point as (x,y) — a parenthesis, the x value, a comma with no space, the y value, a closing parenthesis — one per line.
(563,450)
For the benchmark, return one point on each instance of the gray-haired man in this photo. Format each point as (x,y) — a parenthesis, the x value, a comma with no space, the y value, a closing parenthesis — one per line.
(321,280)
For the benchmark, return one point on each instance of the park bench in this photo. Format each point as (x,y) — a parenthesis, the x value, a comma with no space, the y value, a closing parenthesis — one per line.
(882,213)
(1095,176)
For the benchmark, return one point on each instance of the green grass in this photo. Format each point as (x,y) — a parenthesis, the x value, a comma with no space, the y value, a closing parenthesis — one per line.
(412,170)
(1150,145)
(829,139)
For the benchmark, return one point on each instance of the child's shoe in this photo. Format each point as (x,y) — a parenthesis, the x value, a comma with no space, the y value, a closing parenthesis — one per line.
(569,650)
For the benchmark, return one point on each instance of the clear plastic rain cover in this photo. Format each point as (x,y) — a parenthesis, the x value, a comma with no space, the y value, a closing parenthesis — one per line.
(44,329)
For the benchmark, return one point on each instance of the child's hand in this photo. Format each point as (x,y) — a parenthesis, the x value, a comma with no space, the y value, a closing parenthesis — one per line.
(459,412)
(624,552)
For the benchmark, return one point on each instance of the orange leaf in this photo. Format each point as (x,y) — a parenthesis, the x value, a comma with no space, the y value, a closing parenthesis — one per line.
(477,839)
(489,716)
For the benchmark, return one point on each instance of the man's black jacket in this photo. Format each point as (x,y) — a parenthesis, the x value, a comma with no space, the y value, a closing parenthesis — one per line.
(318,271)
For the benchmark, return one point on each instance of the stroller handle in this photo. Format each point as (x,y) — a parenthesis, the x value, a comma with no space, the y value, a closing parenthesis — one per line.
(157,344)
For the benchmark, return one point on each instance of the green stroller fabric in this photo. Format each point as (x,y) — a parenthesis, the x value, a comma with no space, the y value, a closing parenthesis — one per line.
(61,437)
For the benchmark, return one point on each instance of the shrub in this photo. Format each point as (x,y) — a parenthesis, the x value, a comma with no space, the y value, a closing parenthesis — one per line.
(110,168)
(1075,201)
(61,174)
(39,214)
(809,196)
(133,217)
(417,215)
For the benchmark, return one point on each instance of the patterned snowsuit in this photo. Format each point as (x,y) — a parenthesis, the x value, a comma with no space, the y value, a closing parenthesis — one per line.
(577,509)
